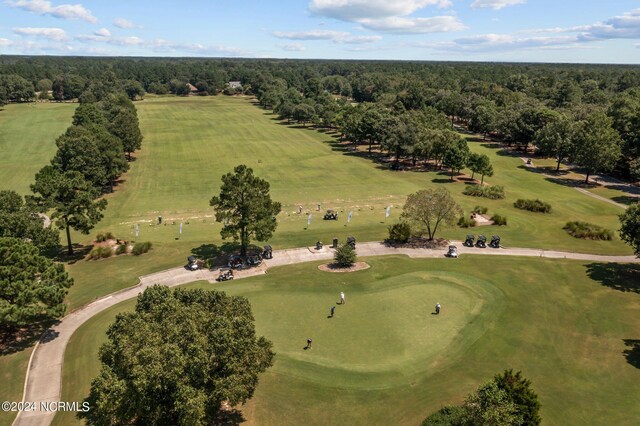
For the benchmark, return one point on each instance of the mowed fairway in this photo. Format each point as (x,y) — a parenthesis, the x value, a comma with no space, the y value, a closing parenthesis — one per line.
(27,140)
(191,142)
(386,359)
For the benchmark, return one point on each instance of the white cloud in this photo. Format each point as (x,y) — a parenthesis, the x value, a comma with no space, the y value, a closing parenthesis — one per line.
(334,36)
(5,42)
(166,46)
(400,25)
(293,47)
(391,16)
(355,10)
(624,26)
(54,34)
(495,4)
(103,32)
(124,23)
(117,41)
(63,11)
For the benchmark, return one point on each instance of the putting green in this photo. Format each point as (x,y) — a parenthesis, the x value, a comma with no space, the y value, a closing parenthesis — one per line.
(394,313)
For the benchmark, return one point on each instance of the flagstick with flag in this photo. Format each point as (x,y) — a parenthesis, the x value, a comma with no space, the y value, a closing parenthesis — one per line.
(388,212)
(349,216)
(309,220)
(180,228)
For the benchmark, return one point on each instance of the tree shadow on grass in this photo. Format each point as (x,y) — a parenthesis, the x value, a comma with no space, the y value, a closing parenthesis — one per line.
(623,277)
(625,199)
(230,417)
(12,341)
(79,252)
(633,353)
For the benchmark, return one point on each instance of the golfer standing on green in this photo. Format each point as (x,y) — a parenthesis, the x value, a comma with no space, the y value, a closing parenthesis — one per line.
(342,302)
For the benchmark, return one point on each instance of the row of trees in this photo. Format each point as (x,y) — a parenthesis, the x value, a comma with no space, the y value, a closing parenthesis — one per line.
(89,160)
(510,101)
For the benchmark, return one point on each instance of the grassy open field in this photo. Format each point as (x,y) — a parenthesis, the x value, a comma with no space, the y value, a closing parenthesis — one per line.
(385,359)
(190,142)
(27,140)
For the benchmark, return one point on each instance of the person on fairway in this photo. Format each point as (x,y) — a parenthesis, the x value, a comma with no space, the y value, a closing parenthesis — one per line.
(309,341)
(342,302)
(437,308)
(333,310)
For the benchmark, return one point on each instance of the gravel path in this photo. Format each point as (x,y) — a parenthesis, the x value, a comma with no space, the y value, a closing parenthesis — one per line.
(44,373)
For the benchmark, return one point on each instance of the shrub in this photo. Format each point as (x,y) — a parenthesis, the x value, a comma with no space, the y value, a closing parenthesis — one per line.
(533,205)
(104,236)
(499,220)
(494,192)
(140,248)
(345,256)
(100,253)
(465,222)
(121,249)
(400,232)
(588,231)
(480,210)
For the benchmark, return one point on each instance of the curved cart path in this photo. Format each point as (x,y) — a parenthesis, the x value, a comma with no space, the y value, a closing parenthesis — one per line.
(44,373)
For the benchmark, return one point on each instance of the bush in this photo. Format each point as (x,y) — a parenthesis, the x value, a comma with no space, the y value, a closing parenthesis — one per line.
(494,192)
(499,220)
(140,248)
(104,236)
(480,210)
(345,256)
(465,222)
(400,232)
(100,253)
(536,205)
(588,231)
(121,249)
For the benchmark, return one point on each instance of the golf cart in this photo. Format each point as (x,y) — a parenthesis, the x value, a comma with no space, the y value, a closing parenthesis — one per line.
(352,242)
(482,241)
(192,263)
(235,262)
(254,260)
(319,245)
(453,252)
(225,275)
(469,241)
(331,215)
(267,253)
(495,242)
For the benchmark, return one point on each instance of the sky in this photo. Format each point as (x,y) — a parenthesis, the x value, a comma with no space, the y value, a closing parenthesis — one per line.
(579,31)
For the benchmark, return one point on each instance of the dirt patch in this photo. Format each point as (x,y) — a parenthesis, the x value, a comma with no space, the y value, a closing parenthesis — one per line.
(332,267)
(482,220)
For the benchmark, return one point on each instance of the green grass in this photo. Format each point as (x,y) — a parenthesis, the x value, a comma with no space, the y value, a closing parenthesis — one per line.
(191,142)
(27,140)
(385,359)
(13,369)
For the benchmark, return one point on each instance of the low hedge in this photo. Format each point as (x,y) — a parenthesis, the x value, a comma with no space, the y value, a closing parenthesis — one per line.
(104,236)
(140,248)
(588,231)
(536,205)
(465,222)
(480,210)
(499,220)
(495,192)
(100,253)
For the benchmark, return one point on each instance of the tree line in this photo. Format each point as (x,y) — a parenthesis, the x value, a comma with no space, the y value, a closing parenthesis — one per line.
(512,102)
(91,155)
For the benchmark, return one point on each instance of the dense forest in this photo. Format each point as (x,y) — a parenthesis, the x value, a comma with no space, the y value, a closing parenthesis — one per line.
(588,115)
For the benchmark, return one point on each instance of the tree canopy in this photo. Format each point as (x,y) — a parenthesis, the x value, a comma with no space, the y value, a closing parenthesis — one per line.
(32,287)
(245,207)
(176,359)
(72,199)
(429,208)
(630,227)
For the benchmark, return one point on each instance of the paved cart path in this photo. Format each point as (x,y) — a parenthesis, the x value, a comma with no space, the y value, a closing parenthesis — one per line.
(44,373)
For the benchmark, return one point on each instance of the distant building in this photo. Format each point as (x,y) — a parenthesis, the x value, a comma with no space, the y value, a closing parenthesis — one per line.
(235,84)
(192,89)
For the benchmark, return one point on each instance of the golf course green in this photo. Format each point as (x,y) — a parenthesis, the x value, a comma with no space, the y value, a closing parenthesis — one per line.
(385,358)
